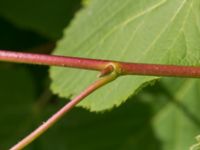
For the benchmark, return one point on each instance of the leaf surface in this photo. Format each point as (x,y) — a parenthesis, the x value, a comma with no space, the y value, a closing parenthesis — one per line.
(178,122)
(146,31)
(196,146)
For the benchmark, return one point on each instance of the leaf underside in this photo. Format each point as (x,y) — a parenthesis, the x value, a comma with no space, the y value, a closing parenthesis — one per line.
(146,31)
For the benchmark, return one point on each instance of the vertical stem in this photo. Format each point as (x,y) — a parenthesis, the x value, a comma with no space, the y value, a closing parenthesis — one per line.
(52,120)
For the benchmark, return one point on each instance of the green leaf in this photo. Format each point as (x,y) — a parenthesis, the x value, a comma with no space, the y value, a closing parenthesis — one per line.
(147,31)
(86,2)
(17,93)
(176,119)
(197,145)
(47,17)
(179,122)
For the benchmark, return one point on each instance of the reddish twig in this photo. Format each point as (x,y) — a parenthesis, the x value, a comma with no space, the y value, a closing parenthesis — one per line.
(124,68)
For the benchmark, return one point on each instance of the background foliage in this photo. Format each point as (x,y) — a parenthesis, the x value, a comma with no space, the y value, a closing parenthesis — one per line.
(162,116)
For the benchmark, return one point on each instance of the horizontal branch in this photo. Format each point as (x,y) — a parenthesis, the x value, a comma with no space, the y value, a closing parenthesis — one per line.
(125,68)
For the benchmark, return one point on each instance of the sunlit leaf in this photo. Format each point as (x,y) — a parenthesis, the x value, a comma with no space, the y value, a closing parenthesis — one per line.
(147,31)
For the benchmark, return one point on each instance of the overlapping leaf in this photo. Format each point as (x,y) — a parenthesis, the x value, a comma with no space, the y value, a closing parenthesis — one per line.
(178,122)
(147,31)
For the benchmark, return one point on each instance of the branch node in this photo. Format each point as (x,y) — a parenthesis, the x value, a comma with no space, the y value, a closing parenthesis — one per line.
(110,68)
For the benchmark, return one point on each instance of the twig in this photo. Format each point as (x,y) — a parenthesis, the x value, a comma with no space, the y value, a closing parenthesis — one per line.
(125,68)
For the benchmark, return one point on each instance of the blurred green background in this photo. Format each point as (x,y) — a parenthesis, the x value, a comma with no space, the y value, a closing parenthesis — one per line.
(26,100)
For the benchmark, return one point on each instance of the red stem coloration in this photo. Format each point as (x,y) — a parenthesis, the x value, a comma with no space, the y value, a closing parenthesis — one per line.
(94,64)
(160,70)
(51,60)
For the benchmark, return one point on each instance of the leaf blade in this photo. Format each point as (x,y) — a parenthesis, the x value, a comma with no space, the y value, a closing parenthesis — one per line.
(136,31)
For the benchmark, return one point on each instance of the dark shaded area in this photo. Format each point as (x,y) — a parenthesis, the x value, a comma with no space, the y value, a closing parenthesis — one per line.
(17,93)
(28,26)
(34,26)
(46,17)
(125,128)
(13,38)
